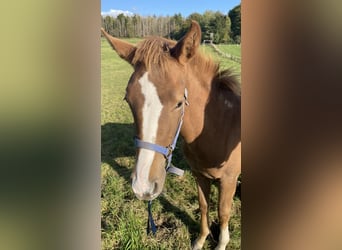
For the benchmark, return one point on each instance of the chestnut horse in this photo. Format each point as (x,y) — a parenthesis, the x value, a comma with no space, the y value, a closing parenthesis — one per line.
(167,75)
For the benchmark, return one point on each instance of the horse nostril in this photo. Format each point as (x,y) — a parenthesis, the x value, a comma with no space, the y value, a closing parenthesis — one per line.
(155,187)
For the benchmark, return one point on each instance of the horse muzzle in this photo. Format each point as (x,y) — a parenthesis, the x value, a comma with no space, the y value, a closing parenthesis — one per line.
(146,191)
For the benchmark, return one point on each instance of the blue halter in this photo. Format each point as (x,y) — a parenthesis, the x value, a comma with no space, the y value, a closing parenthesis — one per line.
(167,152)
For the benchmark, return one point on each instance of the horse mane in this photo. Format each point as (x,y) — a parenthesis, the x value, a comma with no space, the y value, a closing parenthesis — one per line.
(155,51)
(228,80)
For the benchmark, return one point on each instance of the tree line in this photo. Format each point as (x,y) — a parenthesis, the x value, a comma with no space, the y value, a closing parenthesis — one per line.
(215,26)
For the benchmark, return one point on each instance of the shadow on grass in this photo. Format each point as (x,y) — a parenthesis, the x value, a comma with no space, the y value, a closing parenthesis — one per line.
(192,225)
(117,141)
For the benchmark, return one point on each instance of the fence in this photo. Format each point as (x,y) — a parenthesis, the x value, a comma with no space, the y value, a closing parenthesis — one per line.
(226,55)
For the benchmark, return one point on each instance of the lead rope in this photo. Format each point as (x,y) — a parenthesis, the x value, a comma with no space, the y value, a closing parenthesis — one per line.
(170,168)
(151,226)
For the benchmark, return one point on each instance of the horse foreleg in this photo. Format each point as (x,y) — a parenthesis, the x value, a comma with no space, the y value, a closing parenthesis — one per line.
(203,186)
(227,190)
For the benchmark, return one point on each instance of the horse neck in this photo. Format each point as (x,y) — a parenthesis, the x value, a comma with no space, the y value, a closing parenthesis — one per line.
(206,111)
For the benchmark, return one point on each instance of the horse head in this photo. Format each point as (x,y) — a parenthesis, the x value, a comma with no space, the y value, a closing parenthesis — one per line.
(156,94)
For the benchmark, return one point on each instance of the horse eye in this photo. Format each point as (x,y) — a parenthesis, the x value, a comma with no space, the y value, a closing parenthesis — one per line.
(179,105)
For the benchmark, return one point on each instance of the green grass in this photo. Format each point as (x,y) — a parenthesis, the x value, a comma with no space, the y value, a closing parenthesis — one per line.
(123,217)
(233,49)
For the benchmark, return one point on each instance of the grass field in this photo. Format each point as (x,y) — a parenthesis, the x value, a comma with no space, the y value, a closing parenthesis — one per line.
(123,216)
(233,49)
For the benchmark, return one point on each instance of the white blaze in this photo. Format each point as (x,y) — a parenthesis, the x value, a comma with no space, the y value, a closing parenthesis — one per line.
(150,117)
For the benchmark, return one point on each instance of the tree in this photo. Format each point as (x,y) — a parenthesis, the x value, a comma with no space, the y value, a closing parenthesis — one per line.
(176,25)
(107,22)
(219,27)
(121,21)
(227,35)
(206,24)
(235,17)
(224,28)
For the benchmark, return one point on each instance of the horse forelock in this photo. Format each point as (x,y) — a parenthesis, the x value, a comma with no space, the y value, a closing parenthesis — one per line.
(154,52)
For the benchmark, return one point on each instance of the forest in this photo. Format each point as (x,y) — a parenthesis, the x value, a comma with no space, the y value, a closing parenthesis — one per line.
(216,26)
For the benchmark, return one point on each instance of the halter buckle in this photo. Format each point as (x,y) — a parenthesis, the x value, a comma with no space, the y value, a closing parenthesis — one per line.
(169,152)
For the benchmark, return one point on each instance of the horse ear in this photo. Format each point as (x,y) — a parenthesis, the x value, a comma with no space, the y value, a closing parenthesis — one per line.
(187,46)
(124,49)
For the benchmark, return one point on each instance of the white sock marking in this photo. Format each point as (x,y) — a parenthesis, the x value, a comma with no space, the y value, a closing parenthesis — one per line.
(223,239)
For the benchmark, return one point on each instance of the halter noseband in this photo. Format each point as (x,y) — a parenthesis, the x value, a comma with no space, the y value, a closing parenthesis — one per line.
(168,150)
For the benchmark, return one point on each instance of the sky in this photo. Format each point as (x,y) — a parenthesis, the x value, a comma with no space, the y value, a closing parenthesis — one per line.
(163,8)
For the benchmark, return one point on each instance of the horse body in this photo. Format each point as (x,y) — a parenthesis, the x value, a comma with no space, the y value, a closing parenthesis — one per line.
(211,128)
(212,134)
